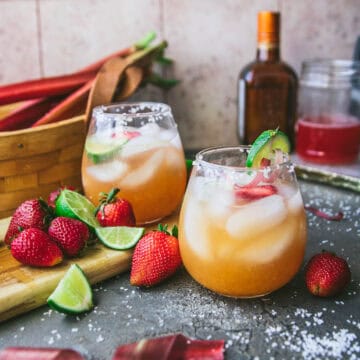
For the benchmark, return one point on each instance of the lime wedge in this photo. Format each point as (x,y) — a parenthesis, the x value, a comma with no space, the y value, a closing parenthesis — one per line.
(74,205)
(265,144)
(119,237)
(98,152)
(73,295)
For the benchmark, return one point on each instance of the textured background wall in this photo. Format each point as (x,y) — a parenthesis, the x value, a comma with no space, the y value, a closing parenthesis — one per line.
(210,40)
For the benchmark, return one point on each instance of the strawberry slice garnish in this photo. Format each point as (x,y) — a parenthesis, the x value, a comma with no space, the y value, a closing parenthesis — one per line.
(131,134)
(265,162)
(254,192)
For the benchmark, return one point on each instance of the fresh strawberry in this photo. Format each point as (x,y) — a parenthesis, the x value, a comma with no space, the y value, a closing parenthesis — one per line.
(327,274)
(33,213)
(55,194)
(114,211)
(156,257)
(254,192)
(35,248)
(70,234)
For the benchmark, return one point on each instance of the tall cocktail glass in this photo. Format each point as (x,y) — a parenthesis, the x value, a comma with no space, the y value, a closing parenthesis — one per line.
(135,147)
(242,231)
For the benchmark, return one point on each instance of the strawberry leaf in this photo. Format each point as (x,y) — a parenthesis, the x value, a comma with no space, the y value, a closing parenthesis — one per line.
(175,231)
(163,228)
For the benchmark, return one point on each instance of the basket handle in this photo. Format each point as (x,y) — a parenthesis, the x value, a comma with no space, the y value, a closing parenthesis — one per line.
(115,71)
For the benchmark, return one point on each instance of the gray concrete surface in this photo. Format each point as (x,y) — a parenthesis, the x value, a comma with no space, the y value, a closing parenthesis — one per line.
(288,324)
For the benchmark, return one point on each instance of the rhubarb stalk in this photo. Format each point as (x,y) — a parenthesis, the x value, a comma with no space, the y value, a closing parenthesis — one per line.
(139,45)
(57,85)
(67,107)
(27,114)
(63,84)
(142,58)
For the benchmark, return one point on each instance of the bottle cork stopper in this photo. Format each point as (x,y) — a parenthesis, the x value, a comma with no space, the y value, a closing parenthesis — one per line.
(268,27)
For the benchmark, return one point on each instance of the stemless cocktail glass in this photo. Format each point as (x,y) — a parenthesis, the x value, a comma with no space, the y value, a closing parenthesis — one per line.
(242,231)
(135,147)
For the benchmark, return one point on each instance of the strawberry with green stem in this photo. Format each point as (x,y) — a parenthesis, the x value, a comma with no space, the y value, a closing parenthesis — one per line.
(56,193)
(34,213)
(114,211)
(156,257)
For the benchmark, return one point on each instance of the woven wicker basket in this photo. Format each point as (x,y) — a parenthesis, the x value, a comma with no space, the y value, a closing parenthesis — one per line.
(34,162)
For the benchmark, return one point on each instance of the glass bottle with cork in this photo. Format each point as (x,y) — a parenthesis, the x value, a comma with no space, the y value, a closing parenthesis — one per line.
(267,87)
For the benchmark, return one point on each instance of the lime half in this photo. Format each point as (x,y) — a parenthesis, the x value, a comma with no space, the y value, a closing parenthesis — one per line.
(74,205)
(98,151)
(119,237)
(73,295)
(265,144)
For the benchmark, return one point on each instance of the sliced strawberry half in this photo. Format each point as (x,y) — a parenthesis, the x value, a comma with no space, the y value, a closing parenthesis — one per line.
(254,192)
(265,162)
(131,134)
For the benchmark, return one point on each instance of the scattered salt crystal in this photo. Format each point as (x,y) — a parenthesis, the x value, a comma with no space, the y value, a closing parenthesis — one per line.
(100,338)
(74,330)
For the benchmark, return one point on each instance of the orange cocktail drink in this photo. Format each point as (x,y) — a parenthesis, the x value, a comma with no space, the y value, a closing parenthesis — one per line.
(242,231)
(136,147)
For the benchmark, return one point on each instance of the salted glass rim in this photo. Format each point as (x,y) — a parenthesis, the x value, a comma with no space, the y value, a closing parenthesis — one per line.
(200,160)
(161,109)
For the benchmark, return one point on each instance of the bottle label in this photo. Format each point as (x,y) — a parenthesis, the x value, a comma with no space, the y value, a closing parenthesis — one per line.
(267,45)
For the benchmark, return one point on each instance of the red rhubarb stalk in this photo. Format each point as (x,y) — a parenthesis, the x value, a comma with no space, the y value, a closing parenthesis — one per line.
(67,107)
(32,353)
(139,45)
(57,85)
(63,84)
(27,114)
(38,107)
(171,347)
(98,64)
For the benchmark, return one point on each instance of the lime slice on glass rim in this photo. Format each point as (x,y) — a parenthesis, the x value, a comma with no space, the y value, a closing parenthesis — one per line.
(264,146)
(74,205)
(98,152)
(73,295)
(119,237)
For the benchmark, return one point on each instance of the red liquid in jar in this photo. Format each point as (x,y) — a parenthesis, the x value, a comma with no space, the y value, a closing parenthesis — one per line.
(328,140)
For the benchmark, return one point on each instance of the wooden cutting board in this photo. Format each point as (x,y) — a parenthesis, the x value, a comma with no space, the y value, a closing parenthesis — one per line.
(23,288)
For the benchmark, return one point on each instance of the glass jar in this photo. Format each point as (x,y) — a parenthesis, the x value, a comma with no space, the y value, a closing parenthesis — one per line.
(328,125)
